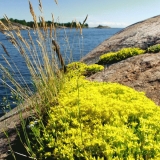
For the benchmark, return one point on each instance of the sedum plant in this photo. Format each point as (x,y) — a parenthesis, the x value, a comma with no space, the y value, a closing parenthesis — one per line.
(93,68)
(154,48)
(92,120)
(76,68)
(83,69)
(122,54)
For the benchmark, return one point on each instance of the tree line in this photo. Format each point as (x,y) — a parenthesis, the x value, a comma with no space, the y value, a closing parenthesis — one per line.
(31,23)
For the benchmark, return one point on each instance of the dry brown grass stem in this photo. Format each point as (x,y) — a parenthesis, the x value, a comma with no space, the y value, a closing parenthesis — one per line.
(33,14)
(56,1)
(34,50)
(43,23)
(57,50)
(78,26)
(52,18)
(40,6)
(72,24)
(48,70)
(7,62)
(3,27)
(19,88)
(42,71)
(9,23)
(6,18)
(53,26)
(10,36)
(5,50)
(21,79)
(18,33)
(85,20)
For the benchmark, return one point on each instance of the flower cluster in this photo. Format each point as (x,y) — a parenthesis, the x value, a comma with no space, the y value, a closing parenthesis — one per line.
(83,69)
(94,120)
(93,68)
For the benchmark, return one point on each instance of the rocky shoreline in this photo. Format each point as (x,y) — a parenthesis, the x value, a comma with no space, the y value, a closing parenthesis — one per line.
(140,72)
(15,26)
(141,34)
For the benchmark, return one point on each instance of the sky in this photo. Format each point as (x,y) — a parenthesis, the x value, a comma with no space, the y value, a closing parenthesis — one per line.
(113,13)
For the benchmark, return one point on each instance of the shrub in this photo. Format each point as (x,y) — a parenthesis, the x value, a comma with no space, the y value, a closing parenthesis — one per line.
(94,120)
(83,69)
(124,53)
(154,48)
(76,67)
(93,68)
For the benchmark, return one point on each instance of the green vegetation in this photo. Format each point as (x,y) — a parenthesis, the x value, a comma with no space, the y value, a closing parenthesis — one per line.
(73,118)
(154,48)
(93,68)
(122,54)
(94,120)
(125,53)
(83,69)
(48,23)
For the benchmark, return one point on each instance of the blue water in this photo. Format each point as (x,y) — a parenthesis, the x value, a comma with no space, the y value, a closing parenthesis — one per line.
(78,46)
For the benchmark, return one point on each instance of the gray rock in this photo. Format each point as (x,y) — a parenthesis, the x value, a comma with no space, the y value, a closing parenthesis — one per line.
(15,26)
(141,72)
(142,34)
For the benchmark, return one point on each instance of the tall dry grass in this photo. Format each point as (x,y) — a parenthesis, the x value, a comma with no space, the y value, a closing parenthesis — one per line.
(44,61)
(46,65)
(42,57)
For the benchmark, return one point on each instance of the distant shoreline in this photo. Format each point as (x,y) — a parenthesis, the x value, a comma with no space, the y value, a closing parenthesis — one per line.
(101,26)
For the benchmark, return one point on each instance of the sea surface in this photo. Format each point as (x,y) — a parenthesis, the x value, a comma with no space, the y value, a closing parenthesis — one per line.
(73,47)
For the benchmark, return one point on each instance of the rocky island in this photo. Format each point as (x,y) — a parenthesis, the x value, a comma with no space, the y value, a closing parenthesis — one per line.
(101,26)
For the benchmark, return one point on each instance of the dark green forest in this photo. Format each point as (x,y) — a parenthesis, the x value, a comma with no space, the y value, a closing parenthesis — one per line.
(31,23)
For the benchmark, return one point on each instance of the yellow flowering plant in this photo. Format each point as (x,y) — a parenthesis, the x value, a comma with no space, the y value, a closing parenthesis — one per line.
(83,69)
(94,120)
(154,48)
(93,68)
(122,54)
